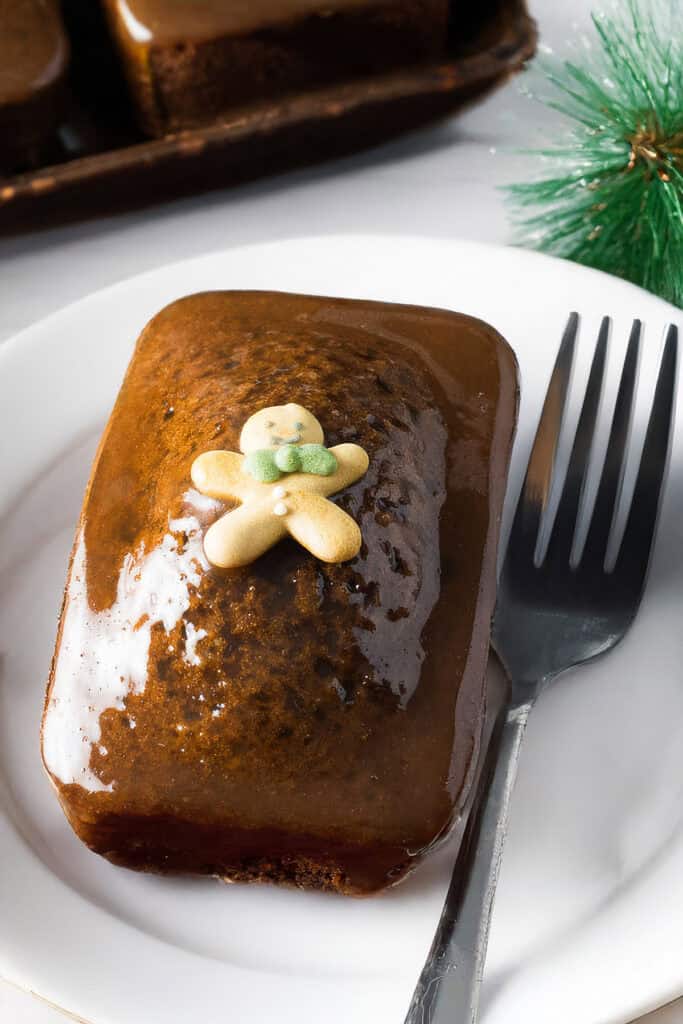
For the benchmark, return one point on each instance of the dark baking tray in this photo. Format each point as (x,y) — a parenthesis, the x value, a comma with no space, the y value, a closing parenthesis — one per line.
(119,169)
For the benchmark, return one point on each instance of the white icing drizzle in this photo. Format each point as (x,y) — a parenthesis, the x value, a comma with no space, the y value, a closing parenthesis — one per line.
(192,638)
(202,502)
(103,655)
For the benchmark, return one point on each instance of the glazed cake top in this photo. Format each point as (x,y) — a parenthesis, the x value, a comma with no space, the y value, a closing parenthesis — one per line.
(163,22)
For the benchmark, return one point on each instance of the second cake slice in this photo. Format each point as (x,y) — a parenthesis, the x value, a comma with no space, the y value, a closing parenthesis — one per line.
(190,61)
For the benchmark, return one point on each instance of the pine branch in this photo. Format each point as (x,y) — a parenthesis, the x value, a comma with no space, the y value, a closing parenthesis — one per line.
(613,195)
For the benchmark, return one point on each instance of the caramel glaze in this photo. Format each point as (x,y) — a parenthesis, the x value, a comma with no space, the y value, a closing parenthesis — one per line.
(165,22)
(350,697)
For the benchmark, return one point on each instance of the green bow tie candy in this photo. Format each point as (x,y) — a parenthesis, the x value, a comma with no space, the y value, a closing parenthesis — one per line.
(268,464)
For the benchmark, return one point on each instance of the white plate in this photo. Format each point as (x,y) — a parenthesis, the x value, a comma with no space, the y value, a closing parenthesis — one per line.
(589,914)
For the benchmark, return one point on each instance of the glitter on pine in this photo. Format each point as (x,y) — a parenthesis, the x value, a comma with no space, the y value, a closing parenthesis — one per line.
(612,195)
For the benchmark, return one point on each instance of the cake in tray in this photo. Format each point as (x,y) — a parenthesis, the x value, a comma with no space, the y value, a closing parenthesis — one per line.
(190,61)
(271,655)
(34,55)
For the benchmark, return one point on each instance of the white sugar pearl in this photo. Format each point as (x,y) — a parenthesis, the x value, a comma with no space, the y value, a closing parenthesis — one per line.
(280,509)
(279,492)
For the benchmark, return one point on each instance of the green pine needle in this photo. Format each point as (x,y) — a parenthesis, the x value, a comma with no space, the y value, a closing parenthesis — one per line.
(613,198)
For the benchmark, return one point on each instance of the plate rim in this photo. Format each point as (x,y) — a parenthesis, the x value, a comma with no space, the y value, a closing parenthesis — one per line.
(10,344)
(34,336)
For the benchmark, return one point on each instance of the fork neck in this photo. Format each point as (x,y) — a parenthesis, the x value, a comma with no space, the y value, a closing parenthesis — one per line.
(518,712)
(523,694)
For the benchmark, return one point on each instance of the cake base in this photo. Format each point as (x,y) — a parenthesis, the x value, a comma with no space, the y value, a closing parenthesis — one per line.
(266,860)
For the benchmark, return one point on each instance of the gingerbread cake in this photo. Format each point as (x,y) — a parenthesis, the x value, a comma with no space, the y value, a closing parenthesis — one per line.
(33,63)
(190,61)
(271,656)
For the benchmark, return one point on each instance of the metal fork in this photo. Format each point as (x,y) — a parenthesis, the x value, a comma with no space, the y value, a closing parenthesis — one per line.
(552,613)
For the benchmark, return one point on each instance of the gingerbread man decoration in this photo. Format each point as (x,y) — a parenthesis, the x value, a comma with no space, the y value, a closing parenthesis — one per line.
(281,484)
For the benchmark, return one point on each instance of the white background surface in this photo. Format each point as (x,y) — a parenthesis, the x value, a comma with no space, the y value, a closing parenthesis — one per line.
(441,182)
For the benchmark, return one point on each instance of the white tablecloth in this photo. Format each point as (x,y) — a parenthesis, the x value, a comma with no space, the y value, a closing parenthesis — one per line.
(441,182)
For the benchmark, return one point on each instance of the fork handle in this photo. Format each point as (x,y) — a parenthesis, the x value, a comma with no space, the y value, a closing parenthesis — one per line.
(448,988)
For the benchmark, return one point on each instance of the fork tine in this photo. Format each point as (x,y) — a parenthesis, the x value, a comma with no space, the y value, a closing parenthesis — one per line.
(634,553)
(564,527)
(536,488)
(611,479)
